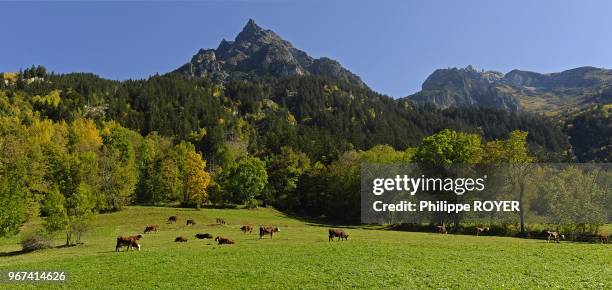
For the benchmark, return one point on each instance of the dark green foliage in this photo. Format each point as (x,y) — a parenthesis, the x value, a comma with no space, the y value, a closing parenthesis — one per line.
(590,133)
(245,180)
(316,115)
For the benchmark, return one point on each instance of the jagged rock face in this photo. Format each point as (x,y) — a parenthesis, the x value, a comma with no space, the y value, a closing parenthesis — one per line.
(517,90)
(260,52)
(465,87)
(581,77)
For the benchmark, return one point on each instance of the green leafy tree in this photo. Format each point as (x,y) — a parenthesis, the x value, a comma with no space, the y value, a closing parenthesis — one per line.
(514,153)
(54,207)
(245,180)
(284,172)
(80,210)
(12,206)
(118,172)
(438,152)
(449,147)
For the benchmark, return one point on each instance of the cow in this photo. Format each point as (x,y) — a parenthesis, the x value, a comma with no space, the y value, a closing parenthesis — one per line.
(151,228)
(602,238)
(191,222)
(246,228)
(481,230)
(267,231)
(220,221)
(340,234)
(172,219)
(555,236)
(222,241)
(129,242)
(204,236)
(442,229)
(180,239)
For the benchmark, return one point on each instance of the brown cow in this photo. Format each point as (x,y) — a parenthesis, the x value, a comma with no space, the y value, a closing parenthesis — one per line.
(172,219)
(442,229)
(220,221)
(554,236)
(222,241)
(129,242)
(267,231)
(204,236)
(481,230)
(246,228)
(602,238)
(151,228)
(191,222)
(180,239)
(340,234)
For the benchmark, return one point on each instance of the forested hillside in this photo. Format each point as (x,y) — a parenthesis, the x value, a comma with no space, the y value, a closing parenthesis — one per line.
(76,144)
(590,132)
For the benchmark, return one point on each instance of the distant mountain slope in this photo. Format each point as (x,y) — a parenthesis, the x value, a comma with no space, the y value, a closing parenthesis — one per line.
(590,133)
(517,90)
(259,52)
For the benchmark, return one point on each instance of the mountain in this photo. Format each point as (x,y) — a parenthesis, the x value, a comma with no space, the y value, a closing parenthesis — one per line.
(257,52)
(517,90)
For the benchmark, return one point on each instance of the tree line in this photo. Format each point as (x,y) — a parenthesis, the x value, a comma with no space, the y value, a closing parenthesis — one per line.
(75,145)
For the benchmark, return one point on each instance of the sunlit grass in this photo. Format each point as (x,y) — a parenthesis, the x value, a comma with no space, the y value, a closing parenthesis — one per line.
(300,256)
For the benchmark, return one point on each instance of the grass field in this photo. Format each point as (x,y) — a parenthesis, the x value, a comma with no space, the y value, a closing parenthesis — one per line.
(300,256)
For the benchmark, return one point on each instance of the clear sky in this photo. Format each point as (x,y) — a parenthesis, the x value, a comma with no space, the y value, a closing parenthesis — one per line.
(392,45)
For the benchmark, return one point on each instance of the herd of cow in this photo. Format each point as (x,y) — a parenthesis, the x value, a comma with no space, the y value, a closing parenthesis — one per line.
(132,242)
(551,236)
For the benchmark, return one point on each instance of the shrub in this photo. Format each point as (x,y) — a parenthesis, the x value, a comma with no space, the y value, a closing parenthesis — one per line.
(36,241)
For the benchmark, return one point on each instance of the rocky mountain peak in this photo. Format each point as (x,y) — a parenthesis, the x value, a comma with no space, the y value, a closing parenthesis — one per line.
(261,52)
(253,33)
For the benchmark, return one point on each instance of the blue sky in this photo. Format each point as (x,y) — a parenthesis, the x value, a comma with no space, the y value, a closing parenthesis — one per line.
(392,45)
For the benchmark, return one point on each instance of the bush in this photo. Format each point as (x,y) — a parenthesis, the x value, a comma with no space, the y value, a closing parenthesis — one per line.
(36,241)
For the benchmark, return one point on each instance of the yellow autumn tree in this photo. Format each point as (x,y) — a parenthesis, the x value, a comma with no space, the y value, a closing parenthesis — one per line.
(196,179)
(84,136)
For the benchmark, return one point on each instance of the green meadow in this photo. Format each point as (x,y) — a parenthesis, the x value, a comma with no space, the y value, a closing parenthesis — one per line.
(300,256)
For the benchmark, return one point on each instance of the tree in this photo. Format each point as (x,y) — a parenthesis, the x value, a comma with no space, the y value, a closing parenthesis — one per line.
(83,136)
(118,173)
(449,147)
(575,197)
(166,180)
(16,173)
(245,179)
(196,179)
(53,206)
(515,154)
(438,152)
(12,206)
(284,171)
(71,214)
(80,209)
(159,176)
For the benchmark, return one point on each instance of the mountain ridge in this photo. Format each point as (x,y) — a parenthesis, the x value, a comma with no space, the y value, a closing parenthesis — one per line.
(516,90)
(257,52)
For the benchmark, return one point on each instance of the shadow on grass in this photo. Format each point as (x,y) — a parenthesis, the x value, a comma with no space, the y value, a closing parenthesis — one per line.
(23,252)
(14,253)
(204,206)
(323,221)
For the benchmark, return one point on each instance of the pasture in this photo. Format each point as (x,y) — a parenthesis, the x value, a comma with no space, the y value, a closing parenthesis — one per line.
(300,256)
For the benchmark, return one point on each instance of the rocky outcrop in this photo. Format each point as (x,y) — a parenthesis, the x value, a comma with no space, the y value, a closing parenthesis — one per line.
(465,87)
(516,90)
